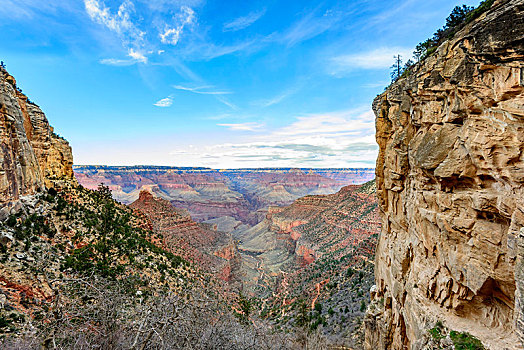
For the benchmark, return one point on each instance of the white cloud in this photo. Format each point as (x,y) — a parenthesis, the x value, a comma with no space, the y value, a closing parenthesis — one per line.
(340,139)
(165,102)
(121,23)
(208,90)
(243,126)
(137,55)
(203,90)
(117,62)
(101,14)
(171,35)
(243,22)
(379,58)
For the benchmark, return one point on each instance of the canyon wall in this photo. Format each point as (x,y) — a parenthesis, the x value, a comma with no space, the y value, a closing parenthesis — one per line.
(242,194)
(450,184)
(318,252)
(30,151)
(212,251)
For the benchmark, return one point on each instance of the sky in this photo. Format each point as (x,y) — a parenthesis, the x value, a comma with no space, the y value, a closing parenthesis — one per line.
(216,83)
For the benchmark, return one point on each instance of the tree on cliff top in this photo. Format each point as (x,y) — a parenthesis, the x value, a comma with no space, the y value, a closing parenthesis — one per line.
(458,15)
(396,68)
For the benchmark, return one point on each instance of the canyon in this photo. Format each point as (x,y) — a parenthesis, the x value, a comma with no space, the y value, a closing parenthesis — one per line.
(450,186)
(242,194)
(274,235)
(432,246)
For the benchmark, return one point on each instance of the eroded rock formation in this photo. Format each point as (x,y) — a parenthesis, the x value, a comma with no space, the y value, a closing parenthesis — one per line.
(450,183)
(243,194)
(30,151)
(214,251)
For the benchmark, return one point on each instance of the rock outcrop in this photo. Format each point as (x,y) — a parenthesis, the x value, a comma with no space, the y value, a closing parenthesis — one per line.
(30,151)
(450,183)
(214,251)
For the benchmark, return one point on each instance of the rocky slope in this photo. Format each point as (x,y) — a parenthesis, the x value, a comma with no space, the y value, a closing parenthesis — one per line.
(214,251)
(53,231)
(30,151)
(242,194)
(330,242)
(450,183)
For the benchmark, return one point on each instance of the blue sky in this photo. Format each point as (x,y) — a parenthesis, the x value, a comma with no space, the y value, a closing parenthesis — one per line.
(213,82)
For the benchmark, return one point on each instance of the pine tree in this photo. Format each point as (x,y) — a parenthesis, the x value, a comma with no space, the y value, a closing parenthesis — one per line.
(396,68)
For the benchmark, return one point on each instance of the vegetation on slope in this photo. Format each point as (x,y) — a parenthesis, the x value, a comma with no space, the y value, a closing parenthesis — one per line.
(82,271)
(460,16)
(331,294)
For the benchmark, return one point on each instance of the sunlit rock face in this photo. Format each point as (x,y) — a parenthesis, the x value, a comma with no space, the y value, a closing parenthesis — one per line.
(450,184)
(30,150)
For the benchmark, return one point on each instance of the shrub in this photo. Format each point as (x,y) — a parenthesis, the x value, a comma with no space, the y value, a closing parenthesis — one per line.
(465,341)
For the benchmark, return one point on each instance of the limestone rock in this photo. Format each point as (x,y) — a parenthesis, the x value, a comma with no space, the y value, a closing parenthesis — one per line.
(30,152)
(450,182)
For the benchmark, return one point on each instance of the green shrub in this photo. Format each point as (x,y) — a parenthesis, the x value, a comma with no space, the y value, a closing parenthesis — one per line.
(465,341)
(436,333)
(363,306)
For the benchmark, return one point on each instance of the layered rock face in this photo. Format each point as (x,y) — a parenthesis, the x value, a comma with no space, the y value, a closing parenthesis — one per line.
(214,251)
(319,250)
(450,183)
(322,227)
(243,194)
(30,151)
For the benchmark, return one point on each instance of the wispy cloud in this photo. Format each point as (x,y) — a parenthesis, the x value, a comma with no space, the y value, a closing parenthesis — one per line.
(209,90)
(243,126)
(118,62)
(28,9)
(244,21)
(379,58)
(126,23)
(227,103)
(203,90)
(278,98)
(120,22)
(206,50)
(171,35)
(339,139)
(137,55)
(311,25)
(165,102)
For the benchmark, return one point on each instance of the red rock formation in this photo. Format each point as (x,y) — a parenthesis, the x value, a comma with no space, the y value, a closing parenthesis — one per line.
(244,194)
(312,227)
(211,250)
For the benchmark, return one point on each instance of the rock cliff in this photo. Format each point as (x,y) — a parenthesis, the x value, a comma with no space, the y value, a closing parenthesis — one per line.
(450,183)
(30,151)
